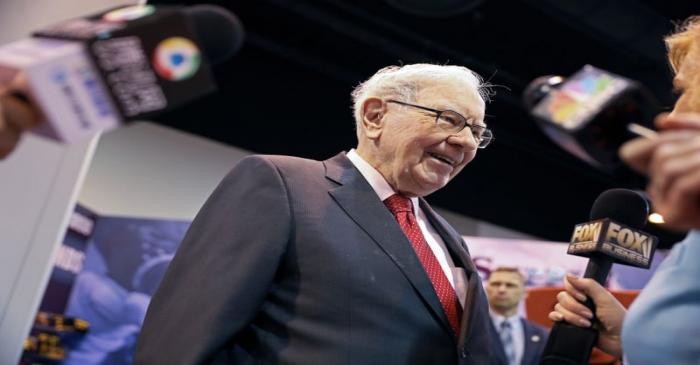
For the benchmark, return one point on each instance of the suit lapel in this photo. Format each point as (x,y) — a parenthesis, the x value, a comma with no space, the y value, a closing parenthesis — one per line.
(357,198)
(530,353)
(456,247)
(527,347)
(454,244)
(497,350)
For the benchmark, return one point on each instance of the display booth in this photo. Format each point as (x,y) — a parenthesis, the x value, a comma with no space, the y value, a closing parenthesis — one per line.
(108,267)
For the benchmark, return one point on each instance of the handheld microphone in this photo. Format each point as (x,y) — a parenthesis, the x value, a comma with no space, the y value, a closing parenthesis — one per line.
(591,113)
(613,235)
(94,73)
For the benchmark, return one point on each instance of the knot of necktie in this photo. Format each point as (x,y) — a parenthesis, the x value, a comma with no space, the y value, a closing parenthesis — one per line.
(398,203)
(505,326)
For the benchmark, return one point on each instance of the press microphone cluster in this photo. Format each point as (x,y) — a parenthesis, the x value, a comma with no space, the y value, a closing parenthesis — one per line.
(613,235)
(97,72)
(591,113)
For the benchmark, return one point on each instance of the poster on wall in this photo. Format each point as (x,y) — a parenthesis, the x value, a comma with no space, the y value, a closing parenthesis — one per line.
(120,265)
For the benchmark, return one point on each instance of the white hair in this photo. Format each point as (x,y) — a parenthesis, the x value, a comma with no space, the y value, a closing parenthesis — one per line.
(404,83)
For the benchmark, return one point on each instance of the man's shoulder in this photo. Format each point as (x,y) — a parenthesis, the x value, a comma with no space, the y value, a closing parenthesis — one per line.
(294,161)
(277,159)
(277,162)
(287,167)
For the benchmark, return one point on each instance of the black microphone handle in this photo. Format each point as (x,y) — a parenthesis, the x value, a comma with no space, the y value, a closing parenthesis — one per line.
(569,345)
(572,345)
(597,269)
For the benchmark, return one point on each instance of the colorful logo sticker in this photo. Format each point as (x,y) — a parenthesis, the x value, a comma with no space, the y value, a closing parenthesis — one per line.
(575,97)
(176,59)
(129,13)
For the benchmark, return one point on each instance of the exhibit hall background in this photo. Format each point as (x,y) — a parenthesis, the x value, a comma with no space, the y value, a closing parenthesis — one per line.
(150,171)
(39,188)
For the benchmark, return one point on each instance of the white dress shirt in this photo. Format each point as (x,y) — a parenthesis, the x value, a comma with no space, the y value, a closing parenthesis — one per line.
(455,275)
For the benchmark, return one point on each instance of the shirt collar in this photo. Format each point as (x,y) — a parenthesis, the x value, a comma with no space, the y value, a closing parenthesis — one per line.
(374,178)
(498,319)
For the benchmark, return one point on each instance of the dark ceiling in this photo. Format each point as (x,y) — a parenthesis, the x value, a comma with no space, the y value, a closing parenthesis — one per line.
(288,90)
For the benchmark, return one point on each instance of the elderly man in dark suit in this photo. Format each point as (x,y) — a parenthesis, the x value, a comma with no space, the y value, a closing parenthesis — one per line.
(296,261)
(521,342)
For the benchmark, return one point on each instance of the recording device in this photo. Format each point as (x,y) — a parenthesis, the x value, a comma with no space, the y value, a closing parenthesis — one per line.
(613,235)
(591,113)
(94,73)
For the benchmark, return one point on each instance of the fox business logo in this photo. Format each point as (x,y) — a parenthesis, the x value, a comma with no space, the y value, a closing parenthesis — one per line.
(587,232)
(632,240)
(632,244)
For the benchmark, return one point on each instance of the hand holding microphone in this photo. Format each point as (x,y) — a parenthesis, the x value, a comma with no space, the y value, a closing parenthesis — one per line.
(596,115)
(609,311)
(591,113)
(94,73)
(613,235)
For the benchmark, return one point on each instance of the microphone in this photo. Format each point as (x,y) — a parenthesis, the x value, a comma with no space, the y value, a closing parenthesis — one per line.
(613,235)
(96,72)
(591,113)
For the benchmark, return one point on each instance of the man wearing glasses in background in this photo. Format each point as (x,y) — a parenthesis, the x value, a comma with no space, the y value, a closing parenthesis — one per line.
(296,261)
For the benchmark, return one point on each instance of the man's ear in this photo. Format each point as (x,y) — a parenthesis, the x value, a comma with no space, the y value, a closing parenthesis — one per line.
(373,111)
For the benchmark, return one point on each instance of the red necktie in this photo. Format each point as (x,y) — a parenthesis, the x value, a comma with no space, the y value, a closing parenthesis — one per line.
(402,209)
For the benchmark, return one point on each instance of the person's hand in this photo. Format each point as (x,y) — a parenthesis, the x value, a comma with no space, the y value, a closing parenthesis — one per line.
(609,311)
(672,162)
(16,116)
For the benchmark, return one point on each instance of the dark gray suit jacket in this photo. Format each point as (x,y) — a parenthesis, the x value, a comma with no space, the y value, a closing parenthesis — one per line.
(294,261)
(535,341)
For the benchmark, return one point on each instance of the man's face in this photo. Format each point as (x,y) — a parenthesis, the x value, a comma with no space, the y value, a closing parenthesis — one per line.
(416,156)
(687,81)
(504,290)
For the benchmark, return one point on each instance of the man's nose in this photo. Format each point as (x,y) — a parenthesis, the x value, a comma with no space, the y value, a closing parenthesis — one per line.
(464,139)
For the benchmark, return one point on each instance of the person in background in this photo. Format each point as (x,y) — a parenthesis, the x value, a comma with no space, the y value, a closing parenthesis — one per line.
(521,341)
(661,325)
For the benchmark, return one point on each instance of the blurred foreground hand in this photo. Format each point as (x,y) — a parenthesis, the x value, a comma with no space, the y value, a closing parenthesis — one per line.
(17,115)
(672,163)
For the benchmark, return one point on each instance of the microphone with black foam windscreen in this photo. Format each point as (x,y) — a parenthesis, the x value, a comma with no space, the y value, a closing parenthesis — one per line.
(218,31)
(591,113)
(613,235)
(95,72)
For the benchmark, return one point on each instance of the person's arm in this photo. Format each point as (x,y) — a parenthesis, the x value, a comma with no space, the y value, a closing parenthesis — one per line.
(609,312)
(672,162)
(221,273)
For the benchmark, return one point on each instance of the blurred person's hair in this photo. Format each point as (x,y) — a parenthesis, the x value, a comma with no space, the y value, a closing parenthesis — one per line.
(679,43)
